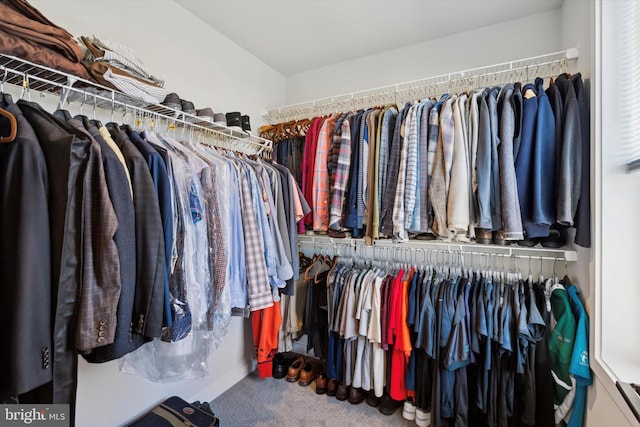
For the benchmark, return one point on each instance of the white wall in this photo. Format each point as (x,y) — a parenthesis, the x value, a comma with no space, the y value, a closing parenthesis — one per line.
(520,38)
(203,66)
(196,61)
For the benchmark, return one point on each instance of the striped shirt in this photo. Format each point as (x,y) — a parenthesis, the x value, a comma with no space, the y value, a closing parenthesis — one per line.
(447,135)
(411,184)
(399,231)
(386,215)
(363,154)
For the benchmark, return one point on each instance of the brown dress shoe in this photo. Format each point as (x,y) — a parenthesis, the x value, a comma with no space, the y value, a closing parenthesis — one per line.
(356,396)
(293,373)
(332,387)
(321,383)
(310,371)
(342,392)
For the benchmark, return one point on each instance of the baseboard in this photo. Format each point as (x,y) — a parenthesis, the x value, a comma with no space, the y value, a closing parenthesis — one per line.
(224,383)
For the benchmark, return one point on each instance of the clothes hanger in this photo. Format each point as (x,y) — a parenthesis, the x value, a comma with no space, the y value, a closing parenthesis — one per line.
(81,117)
(60,112)
(13,124)
(95,122)
(5,98)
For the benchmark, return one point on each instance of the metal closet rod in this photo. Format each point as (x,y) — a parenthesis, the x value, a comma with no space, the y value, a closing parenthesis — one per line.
(398,254)
(471,77)
(31,78)
(415,245)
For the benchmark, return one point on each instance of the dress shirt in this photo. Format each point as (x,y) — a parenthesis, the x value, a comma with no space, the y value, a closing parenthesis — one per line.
(458,199)
(411,183)
(472,107)
(321,177)
(351,202)
(438,183)
(372,174)
(363,170)
(283,264)
(421,225)
(386,216)
(399,231)
(378,174)
(386,136)
(104,133)
(257,277)
(342,176)
(308,164)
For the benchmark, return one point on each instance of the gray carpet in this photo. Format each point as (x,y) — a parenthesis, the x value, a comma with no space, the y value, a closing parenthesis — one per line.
(272,402)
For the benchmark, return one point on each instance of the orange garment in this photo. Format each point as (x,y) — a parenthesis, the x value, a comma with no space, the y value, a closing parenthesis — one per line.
(402,348)
(266,324)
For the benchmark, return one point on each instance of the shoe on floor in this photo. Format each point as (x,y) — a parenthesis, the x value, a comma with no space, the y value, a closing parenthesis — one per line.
(310,371)
(281,363)
(423,418)
(293,373)
(342,392)
(332,387)
(321,383)
(356,396)
(388,405)
(372,400)
(409,410)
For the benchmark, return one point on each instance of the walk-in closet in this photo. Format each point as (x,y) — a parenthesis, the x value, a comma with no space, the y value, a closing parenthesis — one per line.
(267,213)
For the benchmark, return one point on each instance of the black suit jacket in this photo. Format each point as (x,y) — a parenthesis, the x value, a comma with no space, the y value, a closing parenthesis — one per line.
(67,157)
(150,244)
(25,262)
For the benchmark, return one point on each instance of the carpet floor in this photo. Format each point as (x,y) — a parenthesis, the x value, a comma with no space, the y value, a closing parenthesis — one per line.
(271,402)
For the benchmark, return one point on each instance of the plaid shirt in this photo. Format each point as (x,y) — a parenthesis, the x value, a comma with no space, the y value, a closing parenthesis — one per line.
(321,178)
(421,225)
(437,190)
(342,176)
(257,278)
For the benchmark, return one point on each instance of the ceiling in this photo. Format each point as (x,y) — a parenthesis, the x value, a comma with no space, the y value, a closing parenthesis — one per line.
(293,36)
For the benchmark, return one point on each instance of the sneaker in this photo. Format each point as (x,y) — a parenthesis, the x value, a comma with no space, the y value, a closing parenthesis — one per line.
(409,410)
(423,418)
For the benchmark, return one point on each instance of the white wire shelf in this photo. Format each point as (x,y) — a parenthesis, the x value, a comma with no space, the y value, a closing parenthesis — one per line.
(34,77)
(359,245)
(548,65)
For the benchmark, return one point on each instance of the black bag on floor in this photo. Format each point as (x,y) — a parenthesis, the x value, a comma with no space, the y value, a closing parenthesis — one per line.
(176,412)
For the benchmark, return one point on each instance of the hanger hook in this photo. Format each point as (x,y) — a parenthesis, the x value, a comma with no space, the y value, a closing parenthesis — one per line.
(25,87)
(4,78)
